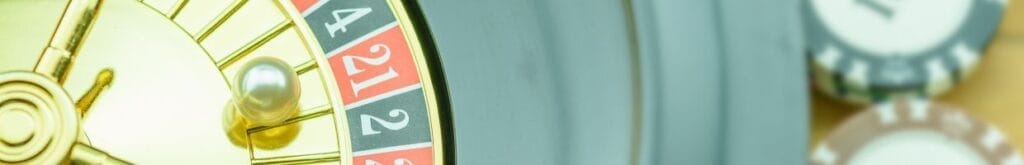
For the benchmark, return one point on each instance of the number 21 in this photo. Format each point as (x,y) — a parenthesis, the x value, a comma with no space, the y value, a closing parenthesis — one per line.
(351,69)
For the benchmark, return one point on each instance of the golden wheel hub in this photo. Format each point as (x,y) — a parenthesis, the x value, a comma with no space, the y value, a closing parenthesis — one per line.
(37,119)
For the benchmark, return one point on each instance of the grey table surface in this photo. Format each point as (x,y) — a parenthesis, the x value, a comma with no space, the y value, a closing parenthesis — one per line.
(554,81)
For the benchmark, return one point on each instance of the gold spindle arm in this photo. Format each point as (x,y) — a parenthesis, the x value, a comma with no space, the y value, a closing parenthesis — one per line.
(85,154)
(74,25)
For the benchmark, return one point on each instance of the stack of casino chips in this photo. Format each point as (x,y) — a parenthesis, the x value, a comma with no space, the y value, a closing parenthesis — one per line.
(893,56)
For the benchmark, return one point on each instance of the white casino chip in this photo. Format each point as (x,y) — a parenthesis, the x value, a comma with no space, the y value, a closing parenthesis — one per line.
(866,50)
(914,132)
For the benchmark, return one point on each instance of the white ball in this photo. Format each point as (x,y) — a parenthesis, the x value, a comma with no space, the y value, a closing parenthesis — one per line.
(266,91)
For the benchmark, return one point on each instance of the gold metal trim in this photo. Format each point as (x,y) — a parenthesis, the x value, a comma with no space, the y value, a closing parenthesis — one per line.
(219,20)
(176,9)
(306,67)
(301,159)
(413,40)
(306,115)
(254,44)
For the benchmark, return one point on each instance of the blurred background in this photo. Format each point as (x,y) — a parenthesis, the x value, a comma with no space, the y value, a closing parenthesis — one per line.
(665,81)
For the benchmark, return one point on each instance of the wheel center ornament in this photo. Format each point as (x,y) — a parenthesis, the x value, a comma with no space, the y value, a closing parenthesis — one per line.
(39,120)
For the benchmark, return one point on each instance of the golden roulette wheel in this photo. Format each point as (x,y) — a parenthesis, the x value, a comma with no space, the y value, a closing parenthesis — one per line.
(219,82)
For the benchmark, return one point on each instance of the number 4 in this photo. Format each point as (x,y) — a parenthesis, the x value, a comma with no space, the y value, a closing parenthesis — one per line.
(340,23)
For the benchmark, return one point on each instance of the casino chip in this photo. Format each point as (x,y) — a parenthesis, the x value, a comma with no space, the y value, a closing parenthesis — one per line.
(867,50)
(914,132)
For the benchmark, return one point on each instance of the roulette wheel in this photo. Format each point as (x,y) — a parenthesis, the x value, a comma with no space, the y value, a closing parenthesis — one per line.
(273,82)
(220,82)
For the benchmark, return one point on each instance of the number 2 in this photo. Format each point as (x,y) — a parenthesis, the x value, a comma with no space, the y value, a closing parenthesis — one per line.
(365,121)
(340,23)
(399,161)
